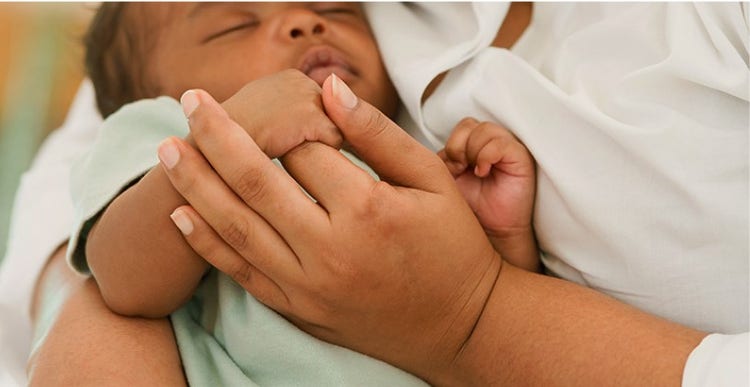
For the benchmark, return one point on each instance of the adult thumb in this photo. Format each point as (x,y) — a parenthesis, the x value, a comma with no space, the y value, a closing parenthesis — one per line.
(394,155)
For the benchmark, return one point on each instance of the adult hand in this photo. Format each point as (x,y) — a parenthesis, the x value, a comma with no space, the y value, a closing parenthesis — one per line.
(370,266)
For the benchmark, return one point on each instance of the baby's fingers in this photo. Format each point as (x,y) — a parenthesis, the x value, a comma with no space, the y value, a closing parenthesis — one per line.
(498,148)
(490,154)
(455,147)
(454,153)
(454,167)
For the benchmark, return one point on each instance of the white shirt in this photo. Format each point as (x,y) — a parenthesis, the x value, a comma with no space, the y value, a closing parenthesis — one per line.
(549,73)
(637,115)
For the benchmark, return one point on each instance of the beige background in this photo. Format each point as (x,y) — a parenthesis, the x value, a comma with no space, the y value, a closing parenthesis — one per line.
(40,69)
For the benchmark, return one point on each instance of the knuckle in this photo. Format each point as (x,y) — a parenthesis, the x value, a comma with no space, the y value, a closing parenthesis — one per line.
(291,74)
(494,129)
(205,121)
(468,121)
(242,273)
(324,130)
(301,81)
(236,234)
(251,185)
(374,205)
(454,150)
(375,124)
(485,127)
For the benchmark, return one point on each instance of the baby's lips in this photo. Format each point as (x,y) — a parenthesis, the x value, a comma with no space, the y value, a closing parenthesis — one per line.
(321,61)
(320,74)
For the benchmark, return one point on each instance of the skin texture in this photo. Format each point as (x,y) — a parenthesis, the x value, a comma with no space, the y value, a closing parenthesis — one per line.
(86,344)
(495,174)
(221,47)
(243,52)
(397,265)
(154,357)
(482,336)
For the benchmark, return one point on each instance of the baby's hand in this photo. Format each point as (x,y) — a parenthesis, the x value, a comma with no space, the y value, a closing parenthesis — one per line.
(495,173)
(282,111)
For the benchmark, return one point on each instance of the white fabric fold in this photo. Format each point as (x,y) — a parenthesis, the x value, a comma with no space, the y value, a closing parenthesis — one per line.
(637,115)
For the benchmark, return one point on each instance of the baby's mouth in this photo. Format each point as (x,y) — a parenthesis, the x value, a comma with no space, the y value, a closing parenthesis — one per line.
(321,61)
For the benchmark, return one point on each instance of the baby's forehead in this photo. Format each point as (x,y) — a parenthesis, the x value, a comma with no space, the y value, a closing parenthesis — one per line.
(146,16)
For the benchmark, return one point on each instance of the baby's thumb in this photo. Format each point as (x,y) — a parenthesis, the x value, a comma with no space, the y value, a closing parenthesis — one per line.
(394,155)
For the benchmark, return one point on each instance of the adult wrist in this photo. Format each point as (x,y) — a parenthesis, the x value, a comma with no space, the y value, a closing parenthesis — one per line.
(463,370)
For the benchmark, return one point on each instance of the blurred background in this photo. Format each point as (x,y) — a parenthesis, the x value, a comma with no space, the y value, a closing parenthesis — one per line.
(41,57)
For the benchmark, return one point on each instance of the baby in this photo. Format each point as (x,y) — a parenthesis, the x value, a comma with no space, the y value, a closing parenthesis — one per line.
(242,53)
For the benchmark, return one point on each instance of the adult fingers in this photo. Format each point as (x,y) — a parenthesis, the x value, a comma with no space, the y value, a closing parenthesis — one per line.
(264,187)
(313,162)
(388,149)
(207,243)
(237,224)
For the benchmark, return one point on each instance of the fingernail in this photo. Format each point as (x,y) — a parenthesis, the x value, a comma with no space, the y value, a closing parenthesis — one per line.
(189,102)
(343,93)
(182,221)
(168,154)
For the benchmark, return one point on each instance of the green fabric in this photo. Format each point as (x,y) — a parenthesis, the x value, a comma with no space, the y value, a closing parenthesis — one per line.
(225,336)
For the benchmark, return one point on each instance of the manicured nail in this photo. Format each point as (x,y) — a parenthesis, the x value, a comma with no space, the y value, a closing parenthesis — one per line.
(168,153)
(189,102)
(182,221)
(343,93)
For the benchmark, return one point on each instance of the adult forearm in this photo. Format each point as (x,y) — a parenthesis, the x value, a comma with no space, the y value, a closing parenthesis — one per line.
(139,259)
(83,343)
(537,330)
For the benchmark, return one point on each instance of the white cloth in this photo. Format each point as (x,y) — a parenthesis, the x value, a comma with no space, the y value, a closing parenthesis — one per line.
(42,216)
(550,45)
(637,115)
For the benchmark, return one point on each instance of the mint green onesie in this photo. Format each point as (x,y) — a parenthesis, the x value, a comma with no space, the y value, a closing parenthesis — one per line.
(225,336)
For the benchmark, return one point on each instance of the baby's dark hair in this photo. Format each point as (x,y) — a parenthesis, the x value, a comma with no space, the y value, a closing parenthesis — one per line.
(114,59)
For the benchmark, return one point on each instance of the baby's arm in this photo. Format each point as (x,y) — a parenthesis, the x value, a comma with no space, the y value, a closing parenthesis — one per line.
(495,173)
(138,257)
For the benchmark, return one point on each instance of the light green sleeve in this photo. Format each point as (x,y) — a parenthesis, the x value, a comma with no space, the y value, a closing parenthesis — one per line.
(224,335)
(125,150)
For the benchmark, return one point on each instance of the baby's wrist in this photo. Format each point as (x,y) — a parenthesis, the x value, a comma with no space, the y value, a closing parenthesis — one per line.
(518,247)
(510,234)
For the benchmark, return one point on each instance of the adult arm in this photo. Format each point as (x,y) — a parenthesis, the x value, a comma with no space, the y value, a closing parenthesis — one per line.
(376,267)
(139,259)
(83,343)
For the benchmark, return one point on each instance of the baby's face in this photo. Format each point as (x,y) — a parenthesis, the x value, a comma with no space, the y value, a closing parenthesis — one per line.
(220,47)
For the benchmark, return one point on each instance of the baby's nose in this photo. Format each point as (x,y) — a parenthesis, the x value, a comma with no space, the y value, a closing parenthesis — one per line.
(302,23)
